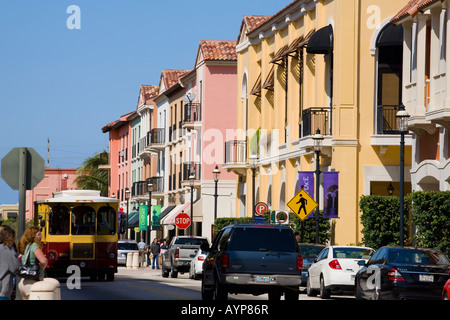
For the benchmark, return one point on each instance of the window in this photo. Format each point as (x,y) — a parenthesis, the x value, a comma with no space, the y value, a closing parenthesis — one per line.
(263,239)
(83,220)
(59,220)
(106,221)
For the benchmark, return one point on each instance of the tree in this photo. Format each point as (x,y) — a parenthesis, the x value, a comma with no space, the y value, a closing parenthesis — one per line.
(90,177)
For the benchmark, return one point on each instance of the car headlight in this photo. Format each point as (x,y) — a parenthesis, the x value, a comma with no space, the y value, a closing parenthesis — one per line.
(112,255)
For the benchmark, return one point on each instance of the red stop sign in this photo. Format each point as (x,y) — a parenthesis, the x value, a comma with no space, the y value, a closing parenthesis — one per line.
(182,220)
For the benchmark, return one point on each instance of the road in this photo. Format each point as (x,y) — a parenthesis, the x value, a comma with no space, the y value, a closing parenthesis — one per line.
(147,284)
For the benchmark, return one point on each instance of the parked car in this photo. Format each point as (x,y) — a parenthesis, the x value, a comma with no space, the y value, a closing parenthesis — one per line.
(179,254)
(446,291)
(196,270)
(123,248)
(310,251)
(253,259)
(334,270)
(403,273)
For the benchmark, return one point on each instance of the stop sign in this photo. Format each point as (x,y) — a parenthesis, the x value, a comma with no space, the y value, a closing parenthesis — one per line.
(182,220)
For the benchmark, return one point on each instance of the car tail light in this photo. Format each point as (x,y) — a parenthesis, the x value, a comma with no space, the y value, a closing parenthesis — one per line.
(395,275)
(177,253)
(201,258)
(334,264)
(299,263)
(225,261)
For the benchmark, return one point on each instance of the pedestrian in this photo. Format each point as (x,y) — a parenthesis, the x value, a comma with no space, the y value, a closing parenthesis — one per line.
(9,264)
(31,238)
(154,250)
(142,246)
(163,247)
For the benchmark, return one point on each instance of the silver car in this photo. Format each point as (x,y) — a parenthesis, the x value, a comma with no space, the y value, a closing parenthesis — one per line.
(123,248)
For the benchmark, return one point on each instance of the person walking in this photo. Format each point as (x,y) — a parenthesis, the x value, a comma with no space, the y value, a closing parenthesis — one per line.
(9,264)
(31,239)
(154,250)
(142,246)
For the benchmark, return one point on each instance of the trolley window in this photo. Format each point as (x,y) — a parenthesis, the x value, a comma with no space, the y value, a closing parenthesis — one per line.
(106,220)
(59,221)
(83,220)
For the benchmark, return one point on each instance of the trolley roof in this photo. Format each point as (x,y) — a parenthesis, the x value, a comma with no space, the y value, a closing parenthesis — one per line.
(81,196)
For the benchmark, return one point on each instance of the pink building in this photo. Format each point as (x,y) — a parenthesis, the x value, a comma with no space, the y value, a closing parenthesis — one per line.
(54,180)
(119,157)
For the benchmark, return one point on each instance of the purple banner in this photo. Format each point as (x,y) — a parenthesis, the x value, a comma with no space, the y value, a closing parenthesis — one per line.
(330,194)
(306,181)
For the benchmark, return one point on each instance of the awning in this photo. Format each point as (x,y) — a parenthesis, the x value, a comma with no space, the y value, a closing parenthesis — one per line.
(256,90)
(133,219)
(279,55)
(198,210)
(390,36)
(298,43)
(269,83)
(321,41)
(170,218)
(166,211)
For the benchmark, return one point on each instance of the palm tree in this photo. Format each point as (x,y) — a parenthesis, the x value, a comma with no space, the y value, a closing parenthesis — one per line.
(90,177)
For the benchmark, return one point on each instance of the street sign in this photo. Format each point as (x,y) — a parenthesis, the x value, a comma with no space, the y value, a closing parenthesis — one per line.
(260,208)
(182,220)
(280,217)
(34,163)
(302,204)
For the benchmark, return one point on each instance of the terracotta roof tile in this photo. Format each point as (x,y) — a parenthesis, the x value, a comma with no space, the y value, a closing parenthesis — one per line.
(412,8)
(218,49)
(171,77)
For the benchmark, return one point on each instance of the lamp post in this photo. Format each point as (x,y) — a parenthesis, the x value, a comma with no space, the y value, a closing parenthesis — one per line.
(149,228)
(216,173)
(402,122)
(127,197)
(253,162)
(191,182)
(318,139)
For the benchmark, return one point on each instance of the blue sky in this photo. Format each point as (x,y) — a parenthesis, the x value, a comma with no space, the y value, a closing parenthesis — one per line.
(64,85)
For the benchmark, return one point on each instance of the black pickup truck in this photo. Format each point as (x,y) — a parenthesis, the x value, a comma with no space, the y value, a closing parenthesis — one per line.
(253,259)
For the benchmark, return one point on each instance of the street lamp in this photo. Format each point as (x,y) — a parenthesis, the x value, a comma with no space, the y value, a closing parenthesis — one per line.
(402,122)
(191,182)
(216,173)
(253,163)
(149,228)
(127,197)
(318,139)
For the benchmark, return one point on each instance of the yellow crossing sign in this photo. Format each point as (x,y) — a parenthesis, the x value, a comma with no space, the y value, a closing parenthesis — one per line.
(302,204)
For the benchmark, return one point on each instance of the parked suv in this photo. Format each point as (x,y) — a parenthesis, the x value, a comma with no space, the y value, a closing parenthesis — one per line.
(253,259)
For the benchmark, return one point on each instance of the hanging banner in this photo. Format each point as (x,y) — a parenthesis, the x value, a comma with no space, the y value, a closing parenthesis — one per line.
(306,180)
(156,215)
(330,194)
(143,217)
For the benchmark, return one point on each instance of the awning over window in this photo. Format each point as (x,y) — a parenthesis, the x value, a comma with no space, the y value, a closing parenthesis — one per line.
(170,218)
(133,219)
(321,41)
(299,43)
(390,36)
(256,90)
(279,55)
(270,80)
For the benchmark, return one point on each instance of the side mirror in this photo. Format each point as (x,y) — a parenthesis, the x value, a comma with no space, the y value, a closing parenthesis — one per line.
(204,246)
(361,263)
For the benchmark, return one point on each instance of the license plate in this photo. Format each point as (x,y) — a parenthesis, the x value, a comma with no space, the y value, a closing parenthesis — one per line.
(426,278)
(262,279)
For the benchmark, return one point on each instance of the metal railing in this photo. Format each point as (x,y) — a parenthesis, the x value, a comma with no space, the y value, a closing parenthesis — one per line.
(156,136)
(236,151)
(316,118)
(386,120)
(192,112)
(191,167)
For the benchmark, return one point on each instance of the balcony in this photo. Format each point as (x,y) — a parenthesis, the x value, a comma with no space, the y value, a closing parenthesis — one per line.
(316,118)
(192,115)
(156,140)
(140,190)
(188,169)
(236,156)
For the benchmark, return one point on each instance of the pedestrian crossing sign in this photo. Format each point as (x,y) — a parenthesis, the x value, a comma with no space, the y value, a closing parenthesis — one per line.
(302,204)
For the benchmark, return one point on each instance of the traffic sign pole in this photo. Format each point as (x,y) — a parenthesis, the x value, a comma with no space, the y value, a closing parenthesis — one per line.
(22,191)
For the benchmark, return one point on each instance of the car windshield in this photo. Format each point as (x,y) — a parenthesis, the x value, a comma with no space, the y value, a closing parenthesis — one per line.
(263,239)
(352,253)
(417,257)
(191,241)
(127,246)
(310,250)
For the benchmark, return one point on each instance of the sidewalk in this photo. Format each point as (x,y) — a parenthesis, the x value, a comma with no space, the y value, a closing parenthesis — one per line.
(141,272)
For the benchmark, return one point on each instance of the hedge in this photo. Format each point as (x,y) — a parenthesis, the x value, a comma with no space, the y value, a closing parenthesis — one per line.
(430,212)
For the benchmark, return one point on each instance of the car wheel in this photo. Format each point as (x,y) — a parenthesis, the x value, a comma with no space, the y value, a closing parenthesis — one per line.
(324,292)
(173,273)
(165,272)
(220,291)
(445,296)
(207,292)
(310,292)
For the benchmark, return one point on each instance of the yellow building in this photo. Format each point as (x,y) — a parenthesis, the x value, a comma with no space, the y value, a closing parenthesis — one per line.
(328,65)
